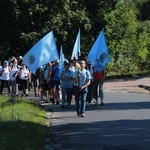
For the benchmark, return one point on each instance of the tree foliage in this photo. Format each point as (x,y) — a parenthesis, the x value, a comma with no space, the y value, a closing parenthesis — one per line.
(126,24)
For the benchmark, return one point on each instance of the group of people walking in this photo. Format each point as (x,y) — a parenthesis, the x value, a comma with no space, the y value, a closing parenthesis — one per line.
(77,80)
(15,75)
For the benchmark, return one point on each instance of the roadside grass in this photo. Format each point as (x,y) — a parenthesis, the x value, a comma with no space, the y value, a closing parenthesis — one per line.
(22,125)
(111,76)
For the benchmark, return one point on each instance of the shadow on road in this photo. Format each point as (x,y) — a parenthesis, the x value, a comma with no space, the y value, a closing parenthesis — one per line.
(107,106)
(109,135)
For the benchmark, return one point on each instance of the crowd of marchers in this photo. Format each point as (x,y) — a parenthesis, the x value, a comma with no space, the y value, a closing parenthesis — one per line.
(77,80)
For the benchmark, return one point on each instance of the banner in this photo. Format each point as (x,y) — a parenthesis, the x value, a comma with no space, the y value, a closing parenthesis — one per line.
(99,54)
(76,49)
(62,59)
(41,53)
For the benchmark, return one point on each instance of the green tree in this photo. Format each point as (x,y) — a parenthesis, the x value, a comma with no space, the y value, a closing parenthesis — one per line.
(26,21)
(126,42)
(126,24)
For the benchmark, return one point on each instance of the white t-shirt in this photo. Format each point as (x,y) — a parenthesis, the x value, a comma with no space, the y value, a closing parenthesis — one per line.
(12,72)
(5,74)
(24,74)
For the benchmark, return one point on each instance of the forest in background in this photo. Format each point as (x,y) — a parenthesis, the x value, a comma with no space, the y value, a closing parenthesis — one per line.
(126,24)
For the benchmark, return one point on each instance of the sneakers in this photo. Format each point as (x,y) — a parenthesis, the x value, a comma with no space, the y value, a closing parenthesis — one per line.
(52,100)
(57,103)
(78,114)
(93,100)
(83,115)
(46,100)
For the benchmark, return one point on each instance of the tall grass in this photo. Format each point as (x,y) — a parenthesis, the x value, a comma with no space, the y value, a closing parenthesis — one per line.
(22,125)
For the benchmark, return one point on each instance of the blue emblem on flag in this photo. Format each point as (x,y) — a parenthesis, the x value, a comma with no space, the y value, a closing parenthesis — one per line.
(103,57)
(31,59)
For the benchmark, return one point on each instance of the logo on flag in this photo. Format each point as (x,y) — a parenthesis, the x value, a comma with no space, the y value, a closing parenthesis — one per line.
(31,59)
(103,57)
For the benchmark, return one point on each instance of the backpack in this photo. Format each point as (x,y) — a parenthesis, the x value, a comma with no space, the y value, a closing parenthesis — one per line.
(39,72)
(99,75)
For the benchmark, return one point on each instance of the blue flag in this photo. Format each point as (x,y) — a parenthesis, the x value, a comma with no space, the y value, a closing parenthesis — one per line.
(41,53)
(76,49)
(99,54)
(62,59)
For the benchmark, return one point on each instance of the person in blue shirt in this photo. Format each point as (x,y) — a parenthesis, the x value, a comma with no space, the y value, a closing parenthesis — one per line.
(66,76)
(81,79)
(45,92)
(55,83)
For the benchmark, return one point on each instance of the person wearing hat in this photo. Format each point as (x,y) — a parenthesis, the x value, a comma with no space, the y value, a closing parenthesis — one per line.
(45,88)
(5,72)
(55,83)
(66,85)
(20,60)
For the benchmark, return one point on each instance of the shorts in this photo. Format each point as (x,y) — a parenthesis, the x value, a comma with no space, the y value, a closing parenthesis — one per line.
(55,84)
(46,85)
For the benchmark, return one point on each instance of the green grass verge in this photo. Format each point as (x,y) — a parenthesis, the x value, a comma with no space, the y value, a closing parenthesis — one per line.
(130,75)
(22,125)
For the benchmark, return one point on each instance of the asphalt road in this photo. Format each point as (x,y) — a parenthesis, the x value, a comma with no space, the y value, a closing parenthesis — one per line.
(123,123)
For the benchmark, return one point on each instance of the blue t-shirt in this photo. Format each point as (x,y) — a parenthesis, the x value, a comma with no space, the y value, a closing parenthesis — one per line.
(67,78)
(84,77)
(46,70)
(55,72)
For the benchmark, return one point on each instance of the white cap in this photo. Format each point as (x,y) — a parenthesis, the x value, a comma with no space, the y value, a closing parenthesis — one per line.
(20,57)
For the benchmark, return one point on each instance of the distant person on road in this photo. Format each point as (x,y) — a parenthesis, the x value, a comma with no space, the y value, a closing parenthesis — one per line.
(20,60)
(24,76)
(13,73)
(89,97)
(45,89)
(66,85)
(81,79)
(37,80)
(5,79)
(99,77)
(55,83)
